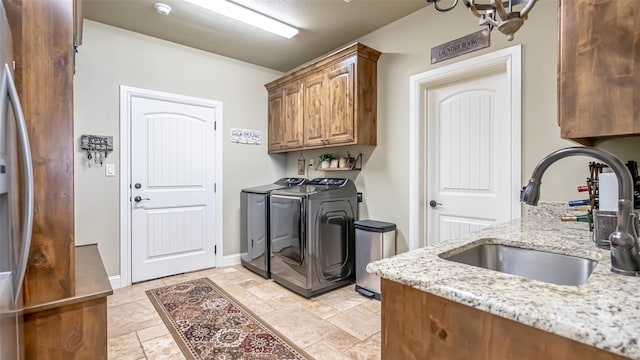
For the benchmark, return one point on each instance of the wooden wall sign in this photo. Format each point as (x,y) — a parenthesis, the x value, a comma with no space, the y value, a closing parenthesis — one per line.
(466,44)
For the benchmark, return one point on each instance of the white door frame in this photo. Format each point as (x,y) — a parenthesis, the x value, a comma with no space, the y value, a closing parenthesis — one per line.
(509,59)
(126,95)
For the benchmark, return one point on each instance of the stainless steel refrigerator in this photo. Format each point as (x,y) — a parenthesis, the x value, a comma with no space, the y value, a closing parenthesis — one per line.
(16,202)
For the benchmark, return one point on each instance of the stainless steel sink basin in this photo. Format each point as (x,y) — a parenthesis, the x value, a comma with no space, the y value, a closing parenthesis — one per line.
(533,264)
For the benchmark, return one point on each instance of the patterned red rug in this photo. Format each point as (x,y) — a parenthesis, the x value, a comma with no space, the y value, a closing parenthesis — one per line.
(207,323)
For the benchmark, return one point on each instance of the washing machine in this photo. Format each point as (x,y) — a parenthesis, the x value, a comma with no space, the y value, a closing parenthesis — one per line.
(312,235)
(254,223)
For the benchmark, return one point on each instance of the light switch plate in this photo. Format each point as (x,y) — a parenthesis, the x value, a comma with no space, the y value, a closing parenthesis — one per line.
(110,170)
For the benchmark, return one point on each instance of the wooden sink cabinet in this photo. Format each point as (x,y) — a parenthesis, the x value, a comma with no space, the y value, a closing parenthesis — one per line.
(418,325)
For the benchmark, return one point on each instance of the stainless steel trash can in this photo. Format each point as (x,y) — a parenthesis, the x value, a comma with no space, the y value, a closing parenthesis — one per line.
(375,240)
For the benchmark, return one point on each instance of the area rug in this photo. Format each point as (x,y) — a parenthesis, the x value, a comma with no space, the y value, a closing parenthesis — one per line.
(207,323)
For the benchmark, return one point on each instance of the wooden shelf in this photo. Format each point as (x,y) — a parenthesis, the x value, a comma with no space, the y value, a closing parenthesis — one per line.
(337,169)
(357,165)
(91,279)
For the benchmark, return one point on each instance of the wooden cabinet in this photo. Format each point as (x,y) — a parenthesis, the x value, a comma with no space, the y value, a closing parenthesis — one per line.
(328,107)
(419,325)
(598,69)
(64,296)
(339,103)
(285,118)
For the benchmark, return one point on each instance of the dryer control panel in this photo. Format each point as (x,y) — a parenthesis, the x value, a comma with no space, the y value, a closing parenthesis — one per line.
(292,181)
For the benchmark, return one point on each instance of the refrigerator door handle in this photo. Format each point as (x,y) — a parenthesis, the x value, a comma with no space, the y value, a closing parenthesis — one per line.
(27,170)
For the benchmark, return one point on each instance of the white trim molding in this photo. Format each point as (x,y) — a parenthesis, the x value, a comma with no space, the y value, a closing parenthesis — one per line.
(509,59)
(126,95)
(115,281)
(231,260)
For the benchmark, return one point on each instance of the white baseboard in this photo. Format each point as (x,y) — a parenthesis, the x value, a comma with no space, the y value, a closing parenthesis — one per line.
(115,281)
(230,260)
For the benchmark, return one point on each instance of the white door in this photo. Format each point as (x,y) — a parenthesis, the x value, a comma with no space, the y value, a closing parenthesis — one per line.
(468,155)
(172,187)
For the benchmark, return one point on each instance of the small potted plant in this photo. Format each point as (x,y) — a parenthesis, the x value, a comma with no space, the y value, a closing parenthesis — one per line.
(325,160)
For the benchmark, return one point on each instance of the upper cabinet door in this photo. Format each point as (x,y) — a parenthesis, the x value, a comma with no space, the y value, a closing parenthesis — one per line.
(293,110)
(339,107)
(314,118)
(599,68)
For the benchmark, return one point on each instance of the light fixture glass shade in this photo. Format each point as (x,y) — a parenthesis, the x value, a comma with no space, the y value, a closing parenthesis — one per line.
(247,16)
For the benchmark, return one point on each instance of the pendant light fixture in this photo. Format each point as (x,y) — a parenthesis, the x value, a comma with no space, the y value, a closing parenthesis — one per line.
(507,16)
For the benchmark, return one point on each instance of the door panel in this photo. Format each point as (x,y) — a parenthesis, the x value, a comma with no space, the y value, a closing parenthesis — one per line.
(294,101)
(172,158)
(469,155)
(314,119)
(340,84)
(452,227)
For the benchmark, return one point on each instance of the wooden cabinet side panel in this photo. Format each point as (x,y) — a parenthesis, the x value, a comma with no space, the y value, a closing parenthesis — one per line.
(599,68)
(366,105)
(418,325)
(77,331)
(339,105)
(44,51)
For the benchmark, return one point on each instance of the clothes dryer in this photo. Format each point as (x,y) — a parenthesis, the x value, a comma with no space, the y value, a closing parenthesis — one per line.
(312,235)
(254,224)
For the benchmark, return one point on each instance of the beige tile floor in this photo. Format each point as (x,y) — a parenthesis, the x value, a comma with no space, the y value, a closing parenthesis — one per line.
(337,325)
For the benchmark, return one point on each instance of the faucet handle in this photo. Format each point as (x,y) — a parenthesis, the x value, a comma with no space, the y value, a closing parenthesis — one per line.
(626,226)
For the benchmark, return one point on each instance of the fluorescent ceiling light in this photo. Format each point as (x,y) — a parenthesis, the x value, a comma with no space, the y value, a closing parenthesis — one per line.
(247,16)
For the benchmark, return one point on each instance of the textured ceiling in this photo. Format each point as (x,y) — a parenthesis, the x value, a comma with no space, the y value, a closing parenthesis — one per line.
(324,26)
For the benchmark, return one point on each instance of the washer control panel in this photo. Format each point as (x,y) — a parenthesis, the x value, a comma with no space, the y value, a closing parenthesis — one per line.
(328,181)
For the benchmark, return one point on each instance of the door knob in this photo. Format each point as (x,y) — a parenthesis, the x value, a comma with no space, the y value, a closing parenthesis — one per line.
(138,199)
(434,203)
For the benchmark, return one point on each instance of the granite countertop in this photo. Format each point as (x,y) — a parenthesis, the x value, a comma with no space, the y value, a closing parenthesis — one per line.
(604,312)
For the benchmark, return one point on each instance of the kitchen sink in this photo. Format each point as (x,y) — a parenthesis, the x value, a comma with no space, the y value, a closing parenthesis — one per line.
(529,263)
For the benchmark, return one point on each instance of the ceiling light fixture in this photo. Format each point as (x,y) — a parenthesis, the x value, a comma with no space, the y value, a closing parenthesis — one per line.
(495,14)
(162,9)
(247,16)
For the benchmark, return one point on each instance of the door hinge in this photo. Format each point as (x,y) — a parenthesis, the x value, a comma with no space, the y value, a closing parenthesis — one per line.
(215,125)
(215,249)
(215,187)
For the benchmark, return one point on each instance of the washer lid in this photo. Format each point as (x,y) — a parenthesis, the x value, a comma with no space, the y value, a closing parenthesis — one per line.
(264,189)
(374,226)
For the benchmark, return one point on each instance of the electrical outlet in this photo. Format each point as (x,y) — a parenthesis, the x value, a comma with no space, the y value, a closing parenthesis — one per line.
(311,162)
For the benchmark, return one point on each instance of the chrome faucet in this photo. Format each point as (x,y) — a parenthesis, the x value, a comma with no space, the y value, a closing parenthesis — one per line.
(625,250)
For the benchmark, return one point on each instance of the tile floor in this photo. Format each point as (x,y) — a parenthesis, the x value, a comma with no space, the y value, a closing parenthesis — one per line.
(339,325)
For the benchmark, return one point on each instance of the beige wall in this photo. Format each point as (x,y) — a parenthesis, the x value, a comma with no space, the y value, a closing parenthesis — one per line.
(110,57)
(406,45)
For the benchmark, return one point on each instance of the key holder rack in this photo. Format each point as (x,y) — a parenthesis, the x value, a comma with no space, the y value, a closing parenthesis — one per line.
(97,147)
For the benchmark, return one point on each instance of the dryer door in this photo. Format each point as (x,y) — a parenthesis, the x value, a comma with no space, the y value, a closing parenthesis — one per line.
(287,228)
